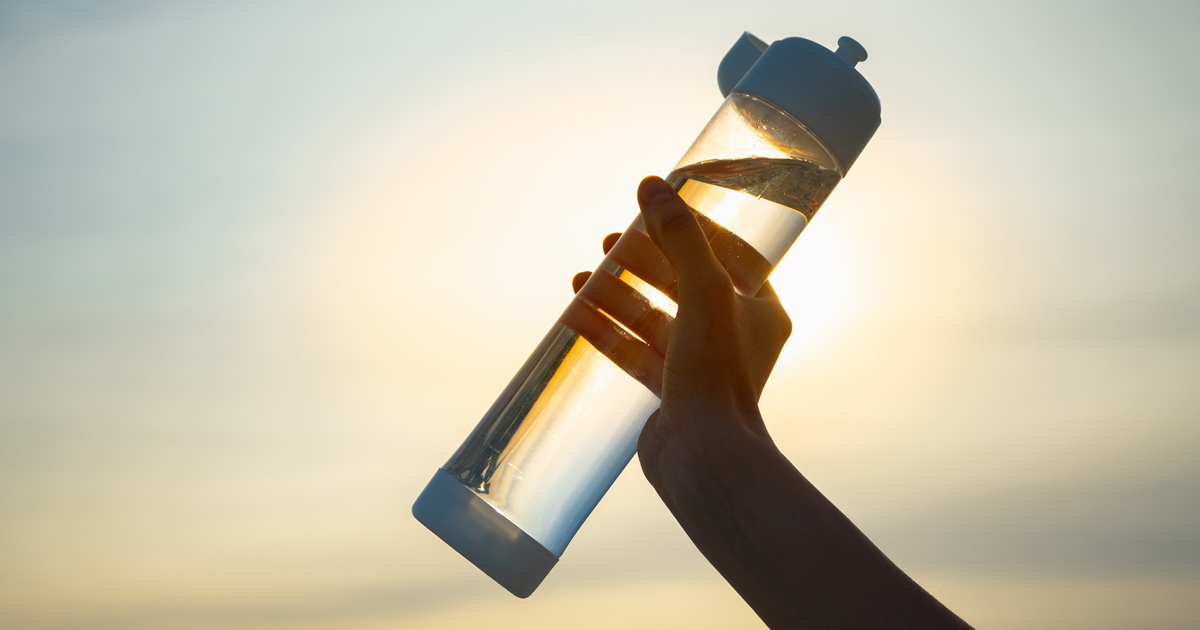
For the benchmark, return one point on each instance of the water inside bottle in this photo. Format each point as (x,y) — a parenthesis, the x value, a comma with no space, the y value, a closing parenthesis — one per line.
(568,423)
(765,202)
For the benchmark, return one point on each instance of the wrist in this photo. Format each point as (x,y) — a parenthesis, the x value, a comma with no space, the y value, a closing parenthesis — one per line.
(710,457)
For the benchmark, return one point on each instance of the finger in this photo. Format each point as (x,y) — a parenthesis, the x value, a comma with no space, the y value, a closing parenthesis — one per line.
(776,316)
(630,308)
(767,297)
(640,256)
(747,268)
(609,241)
(672,226)
(626,351)
(773,328)
(637,253)
(579,280)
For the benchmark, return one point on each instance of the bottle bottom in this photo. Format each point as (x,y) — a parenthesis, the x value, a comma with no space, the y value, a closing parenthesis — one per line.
(473,528)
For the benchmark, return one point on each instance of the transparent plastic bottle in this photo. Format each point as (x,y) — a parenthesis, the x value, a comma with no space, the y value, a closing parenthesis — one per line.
(519,487)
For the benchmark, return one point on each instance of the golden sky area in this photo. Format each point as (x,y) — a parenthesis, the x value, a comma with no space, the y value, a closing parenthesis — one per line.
(263,267)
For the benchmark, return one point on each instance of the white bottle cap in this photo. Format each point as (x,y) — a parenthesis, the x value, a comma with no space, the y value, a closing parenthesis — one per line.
(483,535)
(818,87)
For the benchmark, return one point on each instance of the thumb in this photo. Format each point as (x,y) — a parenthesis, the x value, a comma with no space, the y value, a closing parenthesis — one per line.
(672,226)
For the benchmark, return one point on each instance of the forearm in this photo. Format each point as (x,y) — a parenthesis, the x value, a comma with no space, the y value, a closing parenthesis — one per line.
(789,552)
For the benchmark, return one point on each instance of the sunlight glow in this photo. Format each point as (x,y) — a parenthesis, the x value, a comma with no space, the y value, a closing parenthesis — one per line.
(816,283)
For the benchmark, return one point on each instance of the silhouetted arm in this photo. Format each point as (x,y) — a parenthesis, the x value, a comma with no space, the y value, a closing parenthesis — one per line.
(789,552)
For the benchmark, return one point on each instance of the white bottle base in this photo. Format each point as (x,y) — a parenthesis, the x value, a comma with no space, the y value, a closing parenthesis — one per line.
(482,535)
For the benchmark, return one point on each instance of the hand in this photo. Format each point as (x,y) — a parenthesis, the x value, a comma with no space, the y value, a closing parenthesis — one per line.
(763,326)
(786,549)
(724,343)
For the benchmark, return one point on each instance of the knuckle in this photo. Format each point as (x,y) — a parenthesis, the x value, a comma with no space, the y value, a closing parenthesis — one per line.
(785,325)
(677,223)
(716,285)
(715,294)
(646,323)
(650,323)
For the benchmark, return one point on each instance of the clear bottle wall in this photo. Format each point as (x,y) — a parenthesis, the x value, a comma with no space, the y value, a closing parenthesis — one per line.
(568,423)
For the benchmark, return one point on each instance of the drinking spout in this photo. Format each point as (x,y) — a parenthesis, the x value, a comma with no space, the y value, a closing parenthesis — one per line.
(738,60)
(850,50)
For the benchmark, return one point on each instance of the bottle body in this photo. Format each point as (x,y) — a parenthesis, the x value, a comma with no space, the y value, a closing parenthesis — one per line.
(568,423)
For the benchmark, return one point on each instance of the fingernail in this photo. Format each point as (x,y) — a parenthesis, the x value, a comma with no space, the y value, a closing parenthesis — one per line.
(654,190)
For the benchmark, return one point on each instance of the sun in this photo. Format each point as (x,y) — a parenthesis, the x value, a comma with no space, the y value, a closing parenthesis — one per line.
(817,283)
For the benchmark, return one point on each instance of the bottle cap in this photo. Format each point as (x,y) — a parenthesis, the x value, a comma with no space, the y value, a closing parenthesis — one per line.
(817,86)
(483,535)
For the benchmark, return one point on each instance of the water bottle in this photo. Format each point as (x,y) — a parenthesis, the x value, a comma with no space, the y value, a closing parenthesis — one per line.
(795,118)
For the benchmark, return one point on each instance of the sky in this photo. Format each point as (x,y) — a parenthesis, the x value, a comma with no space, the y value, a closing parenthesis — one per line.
(264,265)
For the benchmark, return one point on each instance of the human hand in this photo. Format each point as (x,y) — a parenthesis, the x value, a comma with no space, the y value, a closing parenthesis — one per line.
(708,364)
(786,549)
(724,344)
(711,360)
